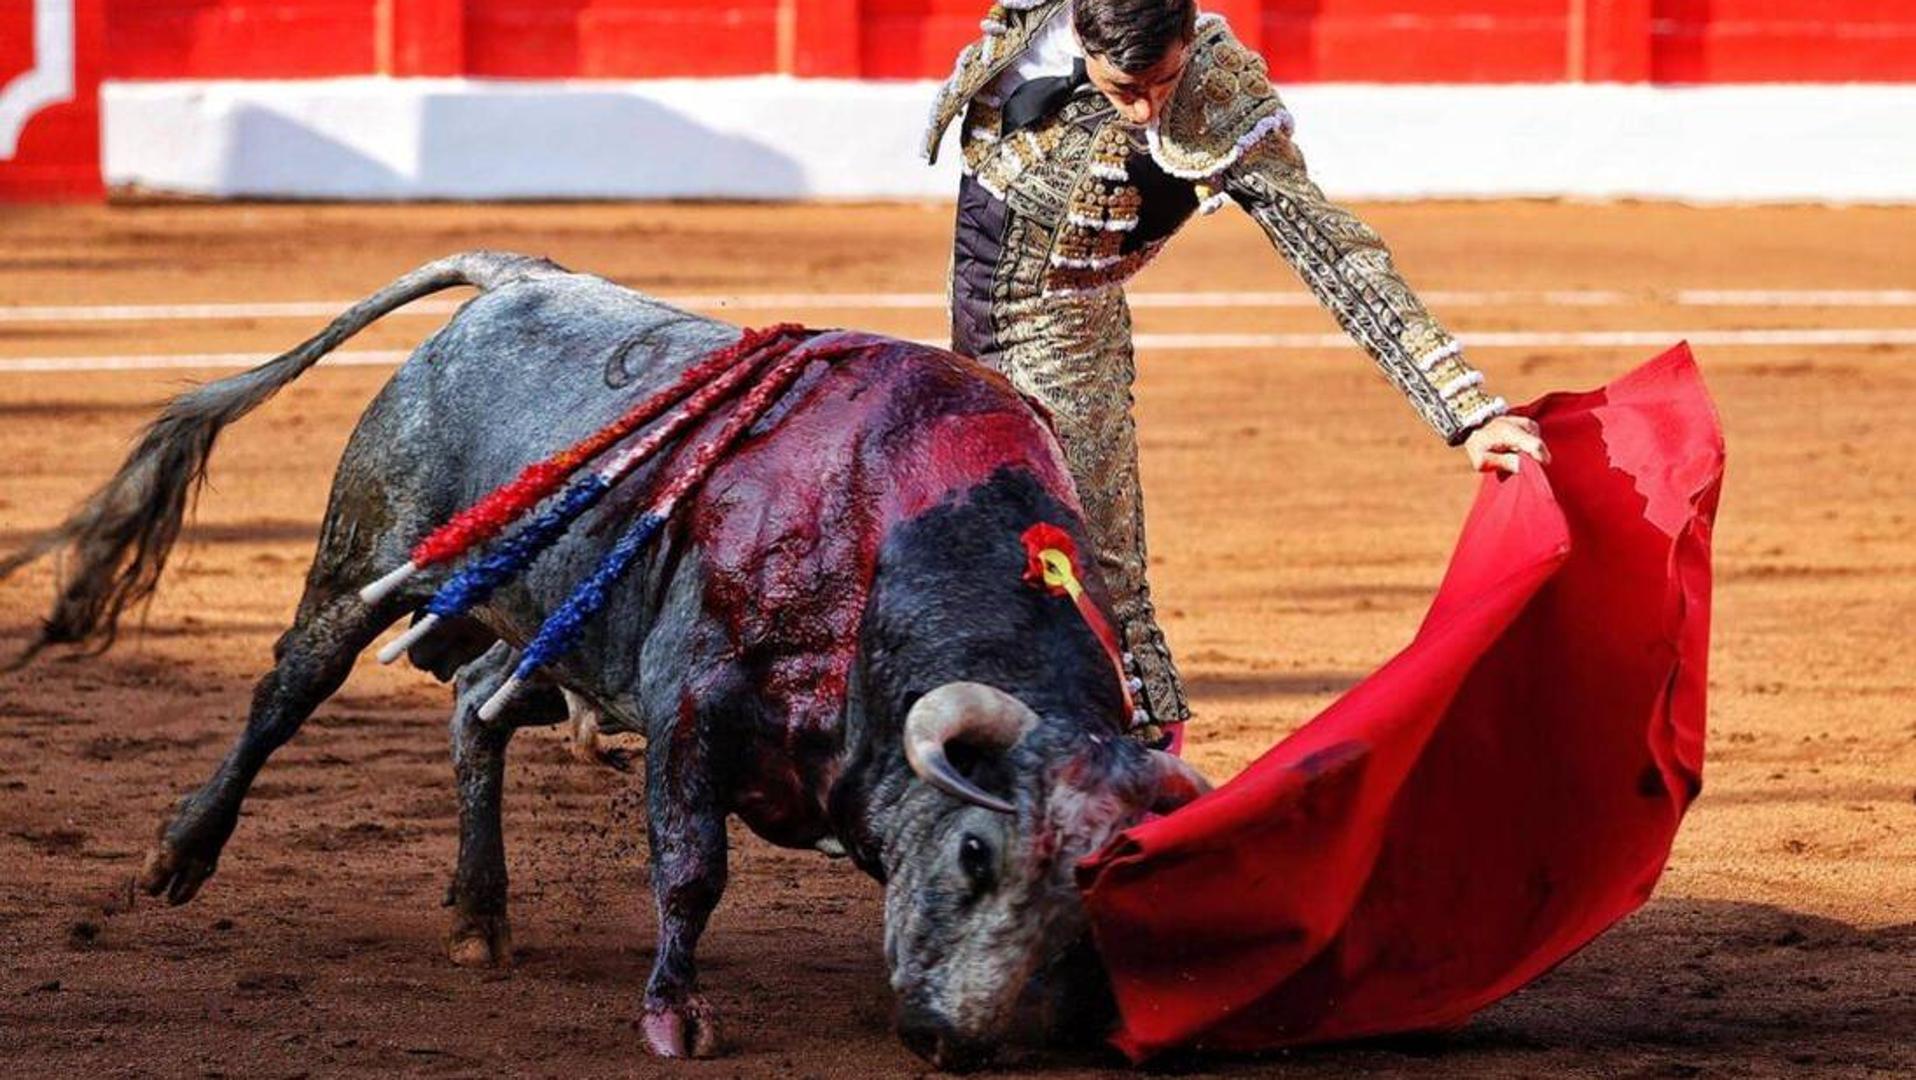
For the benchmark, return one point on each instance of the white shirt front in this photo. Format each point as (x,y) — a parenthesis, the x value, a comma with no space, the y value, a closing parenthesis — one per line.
(1052,52)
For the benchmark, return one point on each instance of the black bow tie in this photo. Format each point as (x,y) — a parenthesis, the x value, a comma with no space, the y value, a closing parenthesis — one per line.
(1035,99)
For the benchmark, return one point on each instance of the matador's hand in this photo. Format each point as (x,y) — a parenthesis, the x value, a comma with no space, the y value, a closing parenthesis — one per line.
(1503,442)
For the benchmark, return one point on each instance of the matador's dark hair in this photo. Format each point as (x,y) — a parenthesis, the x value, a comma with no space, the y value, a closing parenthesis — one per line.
(1133,35)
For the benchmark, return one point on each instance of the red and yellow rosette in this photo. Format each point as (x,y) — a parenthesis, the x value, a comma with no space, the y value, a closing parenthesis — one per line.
(1051,563)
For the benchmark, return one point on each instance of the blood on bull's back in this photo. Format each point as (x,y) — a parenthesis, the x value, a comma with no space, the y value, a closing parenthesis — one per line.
(789,530)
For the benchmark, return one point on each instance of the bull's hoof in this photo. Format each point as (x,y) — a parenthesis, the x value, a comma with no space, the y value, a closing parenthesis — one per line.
(592,748)
(948,1055)
(480,941)
(601,753)
(685,1030)
(175,872)
(187,853)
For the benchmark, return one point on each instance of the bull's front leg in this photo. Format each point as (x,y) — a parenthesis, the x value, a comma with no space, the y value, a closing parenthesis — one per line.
(686,827)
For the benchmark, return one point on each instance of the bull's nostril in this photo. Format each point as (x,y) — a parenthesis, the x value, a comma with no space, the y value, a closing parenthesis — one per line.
(926,1033)
(921,1041)
(961,1055)
(929,1041)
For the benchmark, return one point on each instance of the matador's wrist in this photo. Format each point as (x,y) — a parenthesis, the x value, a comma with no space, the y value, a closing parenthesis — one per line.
(1466,406)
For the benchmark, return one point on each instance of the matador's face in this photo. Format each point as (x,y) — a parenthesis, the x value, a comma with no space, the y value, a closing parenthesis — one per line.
(1140,97)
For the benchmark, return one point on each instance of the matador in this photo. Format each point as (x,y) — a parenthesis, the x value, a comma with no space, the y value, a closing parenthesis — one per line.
(1091,131)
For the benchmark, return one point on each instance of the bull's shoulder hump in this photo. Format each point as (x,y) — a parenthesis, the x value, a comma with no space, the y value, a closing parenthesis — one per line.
(918,380)
(933,423)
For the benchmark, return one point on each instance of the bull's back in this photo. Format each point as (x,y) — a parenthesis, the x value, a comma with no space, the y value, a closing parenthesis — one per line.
(530,368)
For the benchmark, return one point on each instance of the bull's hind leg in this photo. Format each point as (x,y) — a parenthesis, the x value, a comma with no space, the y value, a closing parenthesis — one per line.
(586,736)
(480,932)
(311,660)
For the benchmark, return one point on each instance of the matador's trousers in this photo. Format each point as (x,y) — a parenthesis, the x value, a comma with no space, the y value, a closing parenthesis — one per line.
(1072,354)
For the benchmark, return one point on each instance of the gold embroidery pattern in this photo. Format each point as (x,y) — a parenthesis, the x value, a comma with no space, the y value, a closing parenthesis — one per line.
(1065,281)
(998,164)
(1222,104)
(1111,151)
(1008,30)
(980,136)
(1034,170)
(1102,211)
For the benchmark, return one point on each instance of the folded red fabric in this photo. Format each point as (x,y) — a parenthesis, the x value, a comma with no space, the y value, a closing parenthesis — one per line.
(1483,805)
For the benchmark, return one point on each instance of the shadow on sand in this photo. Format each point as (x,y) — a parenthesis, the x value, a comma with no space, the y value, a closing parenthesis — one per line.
(1681,988)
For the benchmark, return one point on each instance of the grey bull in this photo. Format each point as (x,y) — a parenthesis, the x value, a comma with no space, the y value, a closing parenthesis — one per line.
(835,639)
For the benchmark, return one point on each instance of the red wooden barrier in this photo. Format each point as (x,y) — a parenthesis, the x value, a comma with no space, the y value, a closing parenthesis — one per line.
(821,38)
(49,115)
(1416,40)
(915,39)
(1697,41)
(1495,41)
(598,39)
(50,53)
(238,39)
(422,37)
(1610,41)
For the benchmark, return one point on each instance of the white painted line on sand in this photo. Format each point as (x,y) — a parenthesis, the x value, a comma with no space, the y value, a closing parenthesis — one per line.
(1493,339)
(1284,299)
(184,361)
(1436,298)
(1545,339)
(302,309)
(1796,297)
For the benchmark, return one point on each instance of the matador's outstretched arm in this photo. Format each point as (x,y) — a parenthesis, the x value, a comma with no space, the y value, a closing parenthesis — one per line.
(1226,131)
(1346,264)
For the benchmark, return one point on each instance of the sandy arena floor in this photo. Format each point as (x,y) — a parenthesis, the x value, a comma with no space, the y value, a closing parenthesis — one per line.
(1300,518)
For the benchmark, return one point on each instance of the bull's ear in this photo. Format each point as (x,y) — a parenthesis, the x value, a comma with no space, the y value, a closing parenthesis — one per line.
(969,714)
(1175,782)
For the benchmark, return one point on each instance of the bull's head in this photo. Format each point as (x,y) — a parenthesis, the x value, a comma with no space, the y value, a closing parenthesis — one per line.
(979,877)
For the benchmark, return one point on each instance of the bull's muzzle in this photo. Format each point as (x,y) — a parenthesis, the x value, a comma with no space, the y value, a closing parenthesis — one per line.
(941,1047)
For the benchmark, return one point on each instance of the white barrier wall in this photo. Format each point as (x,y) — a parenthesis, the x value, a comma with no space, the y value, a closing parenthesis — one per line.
(775,138)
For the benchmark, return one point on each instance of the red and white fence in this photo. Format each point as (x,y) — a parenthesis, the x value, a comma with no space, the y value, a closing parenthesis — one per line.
(1702,99)
(51,53)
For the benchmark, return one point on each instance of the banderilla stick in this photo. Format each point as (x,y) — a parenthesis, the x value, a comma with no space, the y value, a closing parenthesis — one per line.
(560,632)
(491,515)
(476,582)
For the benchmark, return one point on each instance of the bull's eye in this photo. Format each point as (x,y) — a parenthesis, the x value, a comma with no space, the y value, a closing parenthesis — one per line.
(974,858)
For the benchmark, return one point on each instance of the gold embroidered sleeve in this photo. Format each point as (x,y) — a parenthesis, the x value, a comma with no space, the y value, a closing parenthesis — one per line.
(1345,263)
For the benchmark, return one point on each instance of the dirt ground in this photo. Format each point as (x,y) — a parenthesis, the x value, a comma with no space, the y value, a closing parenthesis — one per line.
(1299,517)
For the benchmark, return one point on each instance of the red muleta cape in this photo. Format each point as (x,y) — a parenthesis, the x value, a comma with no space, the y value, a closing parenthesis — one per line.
(1491,799)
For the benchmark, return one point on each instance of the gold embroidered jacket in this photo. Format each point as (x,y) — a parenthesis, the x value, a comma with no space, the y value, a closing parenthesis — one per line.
(1106,196)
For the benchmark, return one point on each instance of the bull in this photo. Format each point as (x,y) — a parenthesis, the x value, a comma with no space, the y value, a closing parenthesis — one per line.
(834,639)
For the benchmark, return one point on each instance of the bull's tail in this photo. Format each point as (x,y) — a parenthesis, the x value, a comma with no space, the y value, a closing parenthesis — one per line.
(121,536)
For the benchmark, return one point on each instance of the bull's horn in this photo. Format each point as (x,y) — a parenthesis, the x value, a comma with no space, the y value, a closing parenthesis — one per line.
(969,713)
(1177,782)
